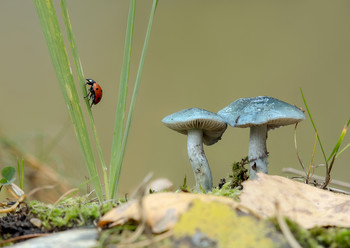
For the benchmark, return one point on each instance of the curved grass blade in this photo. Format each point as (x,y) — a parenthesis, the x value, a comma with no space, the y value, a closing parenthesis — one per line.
(313,124)
(134,95)
(296,148)
(340,140)
(120,115)
(342,150)
(53,36)
(79,71)
(312,160)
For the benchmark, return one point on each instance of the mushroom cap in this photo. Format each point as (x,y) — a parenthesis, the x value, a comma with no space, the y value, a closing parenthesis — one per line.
(213,126)
(254,111)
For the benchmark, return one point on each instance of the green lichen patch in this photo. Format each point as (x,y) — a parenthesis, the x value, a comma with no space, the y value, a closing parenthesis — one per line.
(219,225)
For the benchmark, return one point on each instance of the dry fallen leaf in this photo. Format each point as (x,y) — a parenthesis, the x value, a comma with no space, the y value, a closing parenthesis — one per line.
(302,203)
(161,210)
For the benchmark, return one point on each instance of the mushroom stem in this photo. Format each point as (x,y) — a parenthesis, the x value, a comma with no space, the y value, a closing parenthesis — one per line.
(198,160)
(257,150)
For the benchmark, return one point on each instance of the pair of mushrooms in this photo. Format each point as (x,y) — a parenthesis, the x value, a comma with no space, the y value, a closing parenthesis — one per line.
(260,114)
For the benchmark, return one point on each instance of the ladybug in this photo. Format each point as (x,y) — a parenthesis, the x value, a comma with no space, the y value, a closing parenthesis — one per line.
(95,91)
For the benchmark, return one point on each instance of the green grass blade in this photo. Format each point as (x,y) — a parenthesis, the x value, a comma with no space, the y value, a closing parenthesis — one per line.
(296,148)
(313,124)
(19,174)
(120,115)
(22,175)
(342,150)
(53,36)
(312,158)
(79,71)
(136,88)
(340,140)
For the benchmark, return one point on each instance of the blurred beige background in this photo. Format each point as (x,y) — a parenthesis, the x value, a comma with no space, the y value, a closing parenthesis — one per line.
(201,54)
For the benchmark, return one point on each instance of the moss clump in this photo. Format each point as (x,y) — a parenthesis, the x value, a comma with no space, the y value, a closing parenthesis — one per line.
(68,213)
(226,190)
(239,173)
(330,237)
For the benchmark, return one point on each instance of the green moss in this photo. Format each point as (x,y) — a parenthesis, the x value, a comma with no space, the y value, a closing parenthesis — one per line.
(302,235)
(69,212)
(226,190)
(239,173)
(331,237)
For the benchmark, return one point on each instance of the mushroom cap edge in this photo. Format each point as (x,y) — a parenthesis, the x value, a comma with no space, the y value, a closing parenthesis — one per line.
(213,126)
(254,111)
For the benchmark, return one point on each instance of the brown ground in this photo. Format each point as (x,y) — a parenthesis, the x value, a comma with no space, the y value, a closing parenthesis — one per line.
(17,224)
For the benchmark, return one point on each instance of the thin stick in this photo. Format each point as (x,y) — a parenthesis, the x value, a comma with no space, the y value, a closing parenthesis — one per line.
(139,196)
(286,231)
(13,208)
(296,147)
(300,173)
(65,194)
(28,236)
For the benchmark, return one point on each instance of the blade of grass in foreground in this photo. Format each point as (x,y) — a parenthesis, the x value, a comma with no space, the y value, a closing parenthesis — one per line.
(136,88)
(313,124)
(121,151)
(79,71)
(58,54)
(123,90)
(342,150)
(340,140)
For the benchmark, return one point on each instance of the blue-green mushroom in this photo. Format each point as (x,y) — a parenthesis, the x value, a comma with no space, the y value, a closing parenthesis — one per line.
(260,114)
(200,126)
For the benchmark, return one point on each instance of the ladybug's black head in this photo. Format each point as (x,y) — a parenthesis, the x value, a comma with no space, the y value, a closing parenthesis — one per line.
(90,81)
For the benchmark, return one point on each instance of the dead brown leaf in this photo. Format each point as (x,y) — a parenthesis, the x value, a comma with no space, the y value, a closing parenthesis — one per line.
(302,203)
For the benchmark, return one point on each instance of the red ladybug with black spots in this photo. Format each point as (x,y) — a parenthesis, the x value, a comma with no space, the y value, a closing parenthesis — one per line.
(95,92)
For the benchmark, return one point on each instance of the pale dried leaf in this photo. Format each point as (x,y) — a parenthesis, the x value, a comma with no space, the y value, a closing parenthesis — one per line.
(304,204)
(162,210)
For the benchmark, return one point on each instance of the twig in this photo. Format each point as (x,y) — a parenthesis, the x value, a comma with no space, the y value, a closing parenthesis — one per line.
(17,193)
(14,206)
(139,195)
(296,147)
(33,191)
(300,173)
(28,236)
(71,191)
(285,229)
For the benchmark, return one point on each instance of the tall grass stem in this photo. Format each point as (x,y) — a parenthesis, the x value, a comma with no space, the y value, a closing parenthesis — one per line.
(313,124)
(54,39)
(121,105)
(79,71)
(136,88)
(120,138)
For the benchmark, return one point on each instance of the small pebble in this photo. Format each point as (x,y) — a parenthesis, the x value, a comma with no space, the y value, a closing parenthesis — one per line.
(36,222)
